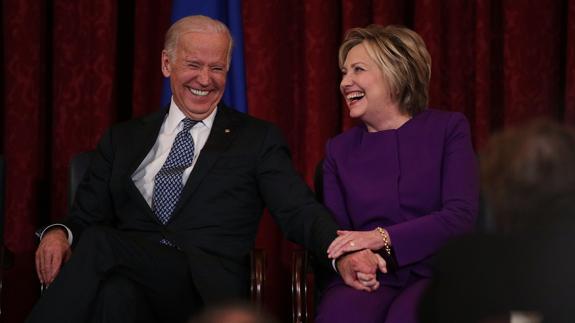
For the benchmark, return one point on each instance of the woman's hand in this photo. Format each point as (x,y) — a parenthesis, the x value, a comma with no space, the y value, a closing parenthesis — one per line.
(348,241)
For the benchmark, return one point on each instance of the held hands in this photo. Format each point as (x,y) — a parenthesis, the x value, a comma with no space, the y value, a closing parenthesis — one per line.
(52,252)
(359,269)
(348,241)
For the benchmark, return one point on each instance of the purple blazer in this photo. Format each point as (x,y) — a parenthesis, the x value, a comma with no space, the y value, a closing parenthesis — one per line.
(419,182)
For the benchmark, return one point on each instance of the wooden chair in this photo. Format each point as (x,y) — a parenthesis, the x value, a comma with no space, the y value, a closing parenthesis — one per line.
(299,286)
(303,294)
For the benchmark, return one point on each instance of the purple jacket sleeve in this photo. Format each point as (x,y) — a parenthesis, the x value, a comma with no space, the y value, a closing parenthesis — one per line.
(418,238)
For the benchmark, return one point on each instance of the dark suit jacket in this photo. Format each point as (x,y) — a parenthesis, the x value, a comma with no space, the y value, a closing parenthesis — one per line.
(244,166)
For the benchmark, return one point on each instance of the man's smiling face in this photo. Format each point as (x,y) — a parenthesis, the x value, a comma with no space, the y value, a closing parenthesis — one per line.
(197,72)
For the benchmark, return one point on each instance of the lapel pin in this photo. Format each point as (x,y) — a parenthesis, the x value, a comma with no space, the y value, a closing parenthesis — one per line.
(227,131)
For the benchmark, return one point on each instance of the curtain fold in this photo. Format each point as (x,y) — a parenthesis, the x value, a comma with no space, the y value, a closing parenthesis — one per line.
(26,92)
(151,21)
(83,85)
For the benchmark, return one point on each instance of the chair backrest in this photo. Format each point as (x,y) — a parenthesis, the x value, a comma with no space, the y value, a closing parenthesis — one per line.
(321,277)
(318,181)
(3,257)
(78,167)
(1,199)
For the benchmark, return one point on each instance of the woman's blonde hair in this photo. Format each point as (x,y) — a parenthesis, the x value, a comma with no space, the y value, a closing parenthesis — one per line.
(403,59)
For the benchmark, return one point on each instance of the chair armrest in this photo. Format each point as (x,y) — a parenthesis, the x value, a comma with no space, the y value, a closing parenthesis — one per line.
(299,288)
(258,270)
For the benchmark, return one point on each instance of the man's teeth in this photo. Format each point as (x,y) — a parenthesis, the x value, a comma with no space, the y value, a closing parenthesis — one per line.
(355,96)
(199,92)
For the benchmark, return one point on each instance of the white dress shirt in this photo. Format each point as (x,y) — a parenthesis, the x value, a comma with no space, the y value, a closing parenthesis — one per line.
(143,177)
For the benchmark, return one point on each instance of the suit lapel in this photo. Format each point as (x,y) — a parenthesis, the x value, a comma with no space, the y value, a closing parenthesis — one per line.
(224,130)
(146,139)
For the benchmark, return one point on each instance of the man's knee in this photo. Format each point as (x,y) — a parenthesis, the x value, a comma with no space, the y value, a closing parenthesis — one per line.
(117,286)
(120,299)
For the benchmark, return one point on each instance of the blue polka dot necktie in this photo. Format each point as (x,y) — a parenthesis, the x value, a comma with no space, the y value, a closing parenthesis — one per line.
(168,183)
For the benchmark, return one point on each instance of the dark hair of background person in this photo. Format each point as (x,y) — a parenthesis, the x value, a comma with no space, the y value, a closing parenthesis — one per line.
(528,175)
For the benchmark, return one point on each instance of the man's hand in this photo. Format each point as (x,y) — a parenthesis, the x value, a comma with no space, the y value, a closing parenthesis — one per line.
(53,250)
(359,269)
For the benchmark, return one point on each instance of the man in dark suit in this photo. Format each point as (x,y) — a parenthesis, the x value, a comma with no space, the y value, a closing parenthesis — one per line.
(167,214)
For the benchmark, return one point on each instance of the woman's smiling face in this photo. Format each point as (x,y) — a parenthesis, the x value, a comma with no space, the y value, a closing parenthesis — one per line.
(363,84)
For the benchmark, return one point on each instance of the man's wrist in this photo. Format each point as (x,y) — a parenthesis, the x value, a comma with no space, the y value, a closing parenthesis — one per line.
(61,227)
(335,262)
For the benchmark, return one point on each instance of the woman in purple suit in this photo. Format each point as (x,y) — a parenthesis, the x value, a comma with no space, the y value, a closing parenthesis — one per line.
(405,177)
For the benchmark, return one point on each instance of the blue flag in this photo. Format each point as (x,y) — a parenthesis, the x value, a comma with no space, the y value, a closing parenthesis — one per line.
(230,13)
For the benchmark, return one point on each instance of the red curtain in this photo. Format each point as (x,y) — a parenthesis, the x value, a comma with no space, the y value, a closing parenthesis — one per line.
(70,69)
